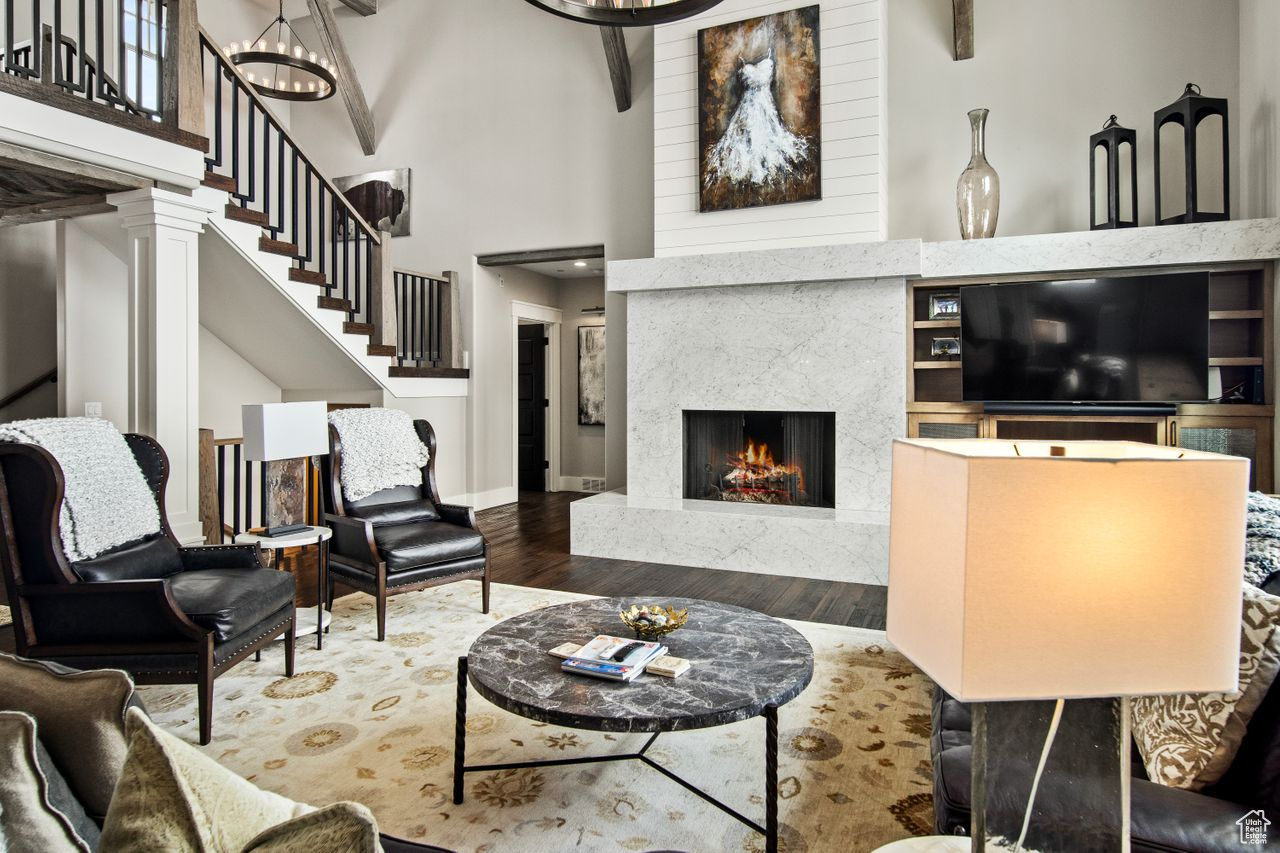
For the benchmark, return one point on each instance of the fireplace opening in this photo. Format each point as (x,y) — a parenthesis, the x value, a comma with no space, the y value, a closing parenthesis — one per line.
(778,458)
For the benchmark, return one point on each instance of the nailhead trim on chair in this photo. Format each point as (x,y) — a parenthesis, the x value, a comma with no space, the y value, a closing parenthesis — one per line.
(219,668)
(468,572)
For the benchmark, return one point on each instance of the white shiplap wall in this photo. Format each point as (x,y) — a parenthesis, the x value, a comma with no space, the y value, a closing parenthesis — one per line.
(852,205)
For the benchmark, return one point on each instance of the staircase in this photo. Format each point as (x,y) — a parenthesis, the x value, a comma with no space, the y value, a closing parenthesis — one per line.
(296,228)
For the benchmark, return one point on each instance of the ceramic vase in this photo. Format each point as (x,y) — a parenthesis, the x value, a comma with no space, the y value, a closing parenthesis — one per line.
(978,190)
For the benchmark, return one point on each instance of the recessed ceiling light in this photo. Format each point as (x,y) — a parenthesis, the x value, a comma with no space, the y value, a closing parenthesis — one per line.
(579,263)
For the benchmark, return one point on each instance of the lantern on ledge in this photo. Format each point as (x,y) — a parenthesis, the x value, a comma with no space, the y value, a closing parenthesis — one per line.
(1190,111)
(1120,145)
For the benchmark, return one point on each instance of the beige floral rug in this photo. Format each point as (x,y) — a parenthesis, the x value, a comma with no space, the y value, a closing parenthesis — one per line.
(373,722)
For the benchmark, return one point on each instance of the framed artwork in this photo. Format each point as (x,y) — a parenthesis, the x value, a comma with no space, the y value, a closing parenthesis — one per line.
(944,306)
(382,198)
(591,375)
(759,112)
(945,348)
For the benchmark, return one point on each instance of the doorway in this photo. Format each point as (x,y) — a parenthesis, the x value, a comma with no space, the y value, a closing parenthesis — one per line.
(532,406)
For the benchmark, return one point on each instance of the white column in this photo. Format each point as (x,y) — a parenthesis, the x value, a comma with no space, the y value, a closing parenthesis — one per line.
(163,231)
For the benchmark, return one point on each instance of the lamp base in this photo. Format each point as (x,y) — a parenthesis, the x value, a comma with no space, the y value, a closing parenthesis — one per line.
(284,530)
(1080,800)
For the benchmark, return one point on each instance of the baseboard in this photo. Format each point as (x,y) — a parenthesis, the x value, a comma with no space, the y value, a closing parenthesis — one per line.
(495,497)
(592,485)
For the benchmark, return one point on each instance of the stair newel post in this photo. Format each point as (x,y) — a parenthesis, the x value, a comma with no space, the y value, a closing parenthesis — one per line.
(382,292)
(450,321)
(182,86)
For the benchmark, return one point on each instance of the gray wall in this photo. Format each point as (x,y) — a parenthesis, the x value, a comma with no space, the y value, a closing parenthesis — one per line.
(582,448)
(1260,108)
(28,317)
(1051,73)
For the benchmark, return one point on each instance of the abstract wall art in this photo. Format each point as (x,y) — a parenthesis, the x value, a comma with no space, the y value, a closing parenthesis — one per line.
(382,198)
(591,375)
(759,113)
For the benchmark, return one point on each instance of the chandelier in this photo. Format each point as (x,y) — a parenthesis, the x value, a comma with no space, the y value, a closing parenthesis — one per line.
(292,72)
(625,13)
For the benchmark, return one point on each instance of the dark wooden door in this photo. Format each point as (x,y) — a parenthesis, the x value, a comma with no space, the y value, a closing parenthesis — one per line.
(531,426)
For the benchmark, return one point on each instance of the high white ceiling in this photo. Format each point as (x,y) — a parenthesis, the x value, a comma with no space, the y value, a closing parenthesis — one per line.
(566,269)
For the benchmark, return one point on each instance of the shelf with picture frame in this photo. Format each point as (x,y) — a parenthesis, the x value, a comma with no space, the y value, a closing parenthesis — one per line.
(1241,328)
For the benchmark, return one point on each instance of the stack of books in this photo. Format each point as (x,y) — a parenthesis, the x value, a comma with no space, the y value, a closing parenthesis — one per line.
(612,658)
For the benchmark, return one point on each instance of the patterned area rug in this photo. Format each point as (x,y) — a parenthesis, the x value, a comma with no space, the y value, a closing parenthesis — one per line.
(373,722)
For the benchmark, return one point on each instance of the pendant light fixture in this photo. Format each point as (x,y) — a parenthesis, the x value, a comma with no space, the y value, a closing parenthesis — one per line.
(625,13)
(292,72)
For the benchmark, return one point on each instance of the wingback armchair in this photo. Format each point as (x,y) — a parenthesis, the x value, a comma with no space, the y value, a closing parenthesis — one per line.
(402,538)
(164,613)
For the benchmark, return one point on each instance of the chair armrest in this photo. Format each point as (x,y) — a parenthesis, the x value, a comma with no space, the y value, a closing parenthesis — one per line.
(352,539)
(108,613)
(463,516)
(1164,818)
(201,557)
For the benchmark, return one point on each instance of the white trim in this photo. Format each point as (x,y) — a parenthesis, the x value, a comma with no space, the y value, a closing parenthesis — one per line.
(551,317)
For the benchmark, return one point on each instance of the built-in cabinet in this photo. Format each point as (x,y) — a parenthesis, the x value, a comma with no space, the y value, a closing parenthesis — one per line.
(1241,314)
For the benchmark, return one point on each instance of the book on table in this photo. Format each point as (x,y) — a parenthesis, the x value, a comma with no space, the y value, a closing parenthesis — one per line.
(613,658)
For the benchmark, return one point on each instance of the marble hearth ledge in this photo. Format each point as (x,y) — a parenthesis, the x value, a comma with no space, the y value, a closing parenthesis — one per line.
(825,544)
(1199,243)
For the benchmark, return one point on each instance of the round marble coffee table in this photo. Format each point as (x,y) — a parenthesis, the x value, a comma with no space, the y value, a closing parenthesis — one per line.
(743,664)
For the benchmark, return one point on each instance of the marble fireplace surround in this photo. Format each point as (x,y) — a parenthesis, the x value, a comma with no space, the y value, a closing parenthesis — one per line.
(812,329)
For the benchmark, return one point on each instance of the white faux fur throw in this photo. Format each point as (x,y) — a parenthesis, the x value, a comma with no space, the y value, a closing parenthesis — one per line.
(380,449)
(107,500)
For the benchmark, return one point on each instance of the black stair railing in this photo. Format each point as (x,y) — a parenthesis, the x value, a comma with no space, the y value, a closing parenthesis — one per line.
(275,185)
(421,306)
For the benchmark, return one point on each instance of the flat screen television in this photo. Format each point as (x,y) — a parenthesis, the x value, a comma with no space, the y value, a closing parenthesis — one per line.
(1139,339)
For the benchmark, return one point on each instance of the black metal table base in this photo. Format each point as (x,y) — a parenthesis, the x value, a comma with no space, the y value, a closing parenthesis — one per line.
(770,714)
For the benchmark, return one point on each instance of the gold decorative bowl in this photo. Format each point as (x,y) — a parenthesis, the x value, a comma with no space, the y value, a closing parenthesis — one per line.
(650,621)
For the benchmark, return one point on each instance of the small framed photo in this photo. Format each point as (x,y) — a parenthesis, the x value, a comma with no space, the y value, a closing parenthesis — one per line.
(945,348)
(944,306)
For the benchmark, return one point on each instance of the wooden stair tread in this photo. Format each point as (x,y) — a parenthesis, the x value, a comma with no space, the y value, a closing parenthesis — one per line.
(430,372)
(308,277)
(244,214)
(334,303)
(351,328)
(382,349)
(277,247)
(226,183)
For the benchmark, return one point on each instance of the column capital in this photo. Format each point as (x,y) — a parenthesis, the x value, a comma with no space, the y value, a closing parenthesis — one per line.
(150,206)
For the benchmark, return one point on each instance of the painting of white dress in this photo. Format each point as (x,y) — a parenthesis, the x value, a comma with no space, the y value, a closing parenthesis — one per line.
(759,113)
(591,375)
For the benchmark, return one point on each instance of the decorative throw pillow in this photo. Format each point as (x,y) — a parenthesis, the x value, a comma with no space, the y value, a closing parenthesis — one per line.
(81,719)
(173,797)
(1262,538)
(41,815)
(1190,740)
(349,827)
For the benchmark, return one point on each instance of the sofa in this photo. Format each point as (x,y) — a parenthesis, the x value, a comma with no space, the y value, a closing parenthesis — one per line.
(1161,818)
(68,768)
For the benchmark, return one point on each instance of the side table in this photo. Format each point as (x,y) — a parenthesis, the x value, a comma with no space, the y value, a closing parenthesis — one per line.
(318,536)
(929,844)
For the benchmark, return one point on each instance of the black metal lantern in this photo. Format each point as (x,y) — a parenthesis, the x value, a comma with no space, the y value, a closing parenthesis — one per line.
(625,13)
(1189,111)
(1113,139)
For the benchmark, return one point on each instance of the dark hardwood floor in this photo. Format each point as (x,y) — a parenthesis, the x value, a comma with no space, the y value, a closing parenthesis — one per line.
(529,546)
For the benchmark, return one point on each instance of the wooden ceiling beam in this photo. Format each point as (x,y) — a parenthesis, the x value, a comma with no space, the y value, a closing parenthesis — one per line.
(63,209)
(615,54)
(962,28)
(362,7)
(348,82)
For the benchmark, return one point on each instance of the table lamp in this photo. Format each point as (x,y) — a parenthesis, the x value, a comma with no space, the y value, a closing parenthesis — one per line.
(276,431)
(1046,580)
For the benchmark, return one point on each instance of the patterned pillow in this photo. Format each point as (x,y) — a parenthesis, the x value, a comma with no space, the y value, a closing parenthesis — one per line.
(1190,740)
(1262,538)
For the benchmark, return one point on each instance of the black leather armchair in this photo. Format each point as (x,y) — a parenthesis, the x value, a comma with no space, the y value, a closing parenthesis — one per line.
(164,613)
(400,539)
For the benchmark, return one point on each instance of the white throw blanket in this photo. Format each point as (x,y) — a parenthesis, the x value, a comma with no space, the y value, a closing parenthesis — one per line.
(107,500)
(380,449)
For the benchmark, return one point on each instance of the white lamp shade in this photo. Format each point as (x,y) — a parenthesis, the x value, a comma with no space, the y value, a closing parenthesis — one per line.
(285,430)
(1114,570)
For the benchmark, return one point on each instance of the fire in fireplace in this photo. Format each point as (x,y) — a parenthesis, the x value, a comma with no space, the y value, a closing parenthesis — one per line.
(781,458)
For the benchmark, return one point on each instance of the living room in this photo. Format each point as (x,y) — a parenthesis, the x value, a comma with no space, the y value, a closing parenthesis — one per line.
(764,333)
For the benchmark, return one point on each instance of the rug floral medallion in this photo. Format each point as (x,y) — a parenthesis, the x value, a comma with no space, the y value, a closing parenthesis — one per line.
(373,722)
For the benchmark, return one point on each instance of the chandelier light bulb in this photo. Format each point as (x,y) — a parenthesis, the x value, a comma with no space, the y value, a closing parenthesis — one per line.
(251,75)
(297,85)
(226,51)
(311,86)
(262,44)
(311,57)
(297,51)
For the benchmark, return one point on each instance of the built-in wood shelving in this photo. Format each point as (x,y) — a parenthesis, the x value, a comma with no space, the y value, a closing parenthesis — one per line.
(937,324)
(1242,361)
(937,365)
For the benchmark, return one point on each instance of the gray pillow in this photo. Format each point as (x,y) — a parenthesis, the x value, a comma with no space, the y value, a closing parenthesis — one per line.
(41,815)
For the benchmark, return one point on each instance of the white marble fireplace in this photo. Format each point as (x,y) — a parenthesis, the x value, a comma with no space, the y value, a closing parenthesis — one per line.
(794,330)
